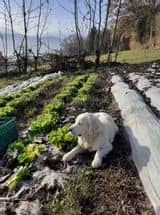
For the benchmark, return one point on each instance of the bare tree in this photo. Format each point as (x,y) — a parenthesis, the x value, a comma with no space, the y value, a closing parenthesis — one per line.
(77,26)
(106,22)
(91,5)
(114,31)
(81,56)
(25,57)
(6,40)
(97,61)
(41,24)
(7,5)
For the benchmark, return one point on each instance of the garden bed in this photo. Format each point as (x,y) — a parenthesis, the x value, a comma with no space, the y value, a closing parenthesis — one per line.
(113,189)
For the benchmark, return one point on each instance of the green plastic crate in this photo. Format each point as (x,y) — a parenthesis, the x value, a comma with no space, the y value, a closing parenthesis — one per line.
(8,132)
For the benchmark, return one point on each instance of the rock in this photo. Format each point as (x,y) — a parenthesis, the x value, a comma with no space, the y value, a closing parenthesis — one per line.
(30,208)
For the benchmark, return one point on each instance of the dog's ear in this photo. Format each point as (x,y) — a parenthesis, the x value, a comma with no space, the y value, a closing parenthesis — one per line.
(93,126)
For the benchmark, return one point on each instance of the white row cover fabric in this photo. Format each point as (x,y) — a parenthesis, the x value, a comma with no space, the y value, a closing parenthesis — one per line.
(143,84)
(143,131)
(15,88)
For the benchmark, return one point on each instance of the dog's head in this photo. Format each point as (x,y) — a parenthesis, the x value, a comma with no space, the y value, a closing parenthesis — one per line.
(86,125)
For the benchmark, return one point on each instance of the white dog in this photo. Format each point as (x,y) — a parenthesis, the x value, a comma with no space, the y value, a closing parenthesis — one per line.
(95,132)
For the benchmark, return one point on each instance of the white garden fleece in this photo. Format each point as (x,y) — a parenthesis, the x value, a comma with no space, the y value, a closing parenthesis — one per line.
(152,92)
(143,131)
(32,82)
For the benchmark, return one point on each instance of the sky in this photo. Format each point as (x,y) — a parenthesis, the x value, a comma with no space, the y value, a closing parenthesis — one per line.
(60,21)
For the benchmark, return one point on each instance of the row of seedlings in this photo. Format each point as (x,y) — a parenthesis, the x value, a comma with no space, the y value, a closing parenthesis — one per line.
(36,83)
(65,141)
(51,113)
(61,137)
(16,103)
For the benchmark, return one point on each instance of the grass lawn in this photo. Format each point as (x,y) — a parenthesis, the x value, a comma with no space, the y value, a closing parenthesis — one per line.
(133,56)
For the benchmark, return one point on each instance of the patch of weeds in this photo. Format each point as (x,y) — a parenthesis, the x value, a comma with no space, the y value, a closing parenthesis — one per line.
(77,194)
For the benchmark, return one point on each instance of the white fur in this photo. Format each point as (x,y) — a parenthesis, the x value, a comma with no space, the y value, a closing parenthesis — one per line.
(96,132)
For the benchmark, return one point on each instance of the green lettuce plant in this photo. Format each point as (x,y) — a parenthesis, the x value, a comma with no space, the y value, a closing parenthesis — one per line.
(62,138)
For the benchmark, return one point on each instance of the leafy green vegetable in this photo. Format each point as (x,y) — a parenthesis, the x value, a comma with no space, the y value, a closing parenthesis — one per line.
(31,152)
(62,138)
(44,123)
(83,93)
(20,100)
(15,149)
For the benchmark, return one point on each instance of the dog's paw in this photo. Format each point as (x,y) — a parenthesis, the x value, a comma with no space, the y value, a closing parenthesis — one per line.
(96,163)
(66,157)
